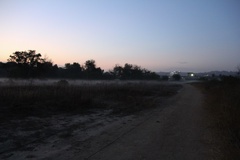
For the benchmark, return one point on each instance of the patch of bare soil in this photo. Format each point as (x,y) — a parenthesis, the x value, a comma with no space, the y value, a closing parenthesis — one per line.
(36,138)
(177,131)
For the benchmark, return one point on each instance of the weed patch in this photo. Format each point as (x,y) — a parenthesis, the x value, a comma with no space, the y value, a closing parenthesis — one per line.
(23,101)
(222,104)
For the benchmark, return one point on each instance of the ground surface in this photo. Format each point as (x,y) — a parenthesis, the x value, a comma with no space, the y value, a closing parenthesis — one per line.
(175,130)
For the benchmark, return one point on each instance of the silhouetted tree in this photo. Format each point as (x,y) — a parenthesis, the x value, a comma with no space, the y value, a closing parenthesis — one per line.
(44,69)
(73,70)
(91,71)
(108,76)
(28,64)
(27,58)
(127,71)
(12,69)
(90,66)
(117,72)
(52,71)
(3,72)
(133,72)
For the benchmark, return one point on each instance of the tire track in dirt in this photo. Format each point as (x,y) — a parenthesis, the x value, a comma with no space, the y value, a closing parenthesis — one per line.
(176,132)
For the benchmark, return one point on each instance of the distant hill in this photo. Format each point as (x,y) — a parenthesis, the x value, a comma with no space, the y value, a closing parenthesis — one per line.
(216,73)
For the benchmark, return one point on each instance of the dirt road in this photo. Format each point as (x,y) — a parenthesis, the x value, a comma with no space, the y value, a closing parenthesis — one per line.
(175,130)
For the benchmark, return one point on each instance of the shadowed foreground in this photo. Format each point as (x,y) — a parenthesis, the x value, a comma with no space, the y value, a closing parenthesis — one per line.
(176,131)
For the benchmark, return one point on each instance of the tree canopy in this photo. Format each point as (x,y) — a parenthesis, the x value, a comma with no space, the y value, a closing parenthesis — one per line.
(133,72)
(27,64)
(30,64)
(30,58)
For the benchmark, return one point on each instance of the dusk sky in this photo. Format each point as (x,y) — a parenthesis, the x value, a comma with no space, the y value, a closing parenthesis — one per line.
(160,35)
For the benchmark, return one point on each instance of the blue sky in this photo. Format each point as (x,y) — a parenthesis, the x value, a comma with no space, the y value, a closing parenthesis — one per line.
(160,35)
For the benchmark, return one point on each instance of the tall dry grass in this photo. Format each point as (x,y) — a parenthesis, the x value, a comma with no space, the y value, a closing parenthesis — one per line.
(222,103)
(45,100)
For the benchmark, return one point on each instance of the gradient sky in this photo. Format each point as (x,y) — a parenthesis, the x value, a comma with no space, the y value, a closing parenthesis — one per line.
(160,35)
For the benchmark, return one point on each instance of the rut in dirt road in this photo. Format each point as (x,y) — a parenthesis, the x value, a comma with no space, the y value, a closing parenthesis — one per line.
(176,132)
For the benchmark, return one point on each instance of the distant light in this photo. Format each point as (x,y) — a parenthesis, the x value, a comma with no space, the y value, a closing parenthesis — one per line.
(192,75)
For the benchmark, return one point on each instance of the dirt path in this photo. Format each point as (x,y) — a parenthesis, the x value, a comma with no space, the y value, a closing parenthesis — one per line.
(175,131)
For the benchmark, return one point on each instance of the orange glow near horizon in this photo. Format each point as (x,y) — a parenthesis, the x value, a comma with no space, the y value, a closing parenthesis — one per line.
(157,35)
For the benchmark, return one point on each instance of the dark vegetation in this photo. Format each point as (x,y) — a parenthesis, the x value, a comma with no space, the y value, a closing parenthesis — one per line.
(223,107)
(23,101)
(31,114)
(176,77)
(29,64)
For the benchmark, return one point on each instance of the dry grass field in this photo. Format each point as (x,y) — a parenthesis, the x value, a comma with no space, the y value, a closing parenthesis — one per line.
(44,100)
(222,103)
(32,114)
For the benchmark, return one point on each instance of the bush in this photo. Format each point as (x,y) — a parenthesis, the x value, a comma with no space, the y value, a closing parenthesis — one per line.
(62,83)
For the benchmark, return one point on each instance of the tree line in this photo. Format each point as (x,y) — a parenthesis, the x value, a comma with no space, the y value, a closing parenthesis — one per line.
(29,64)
